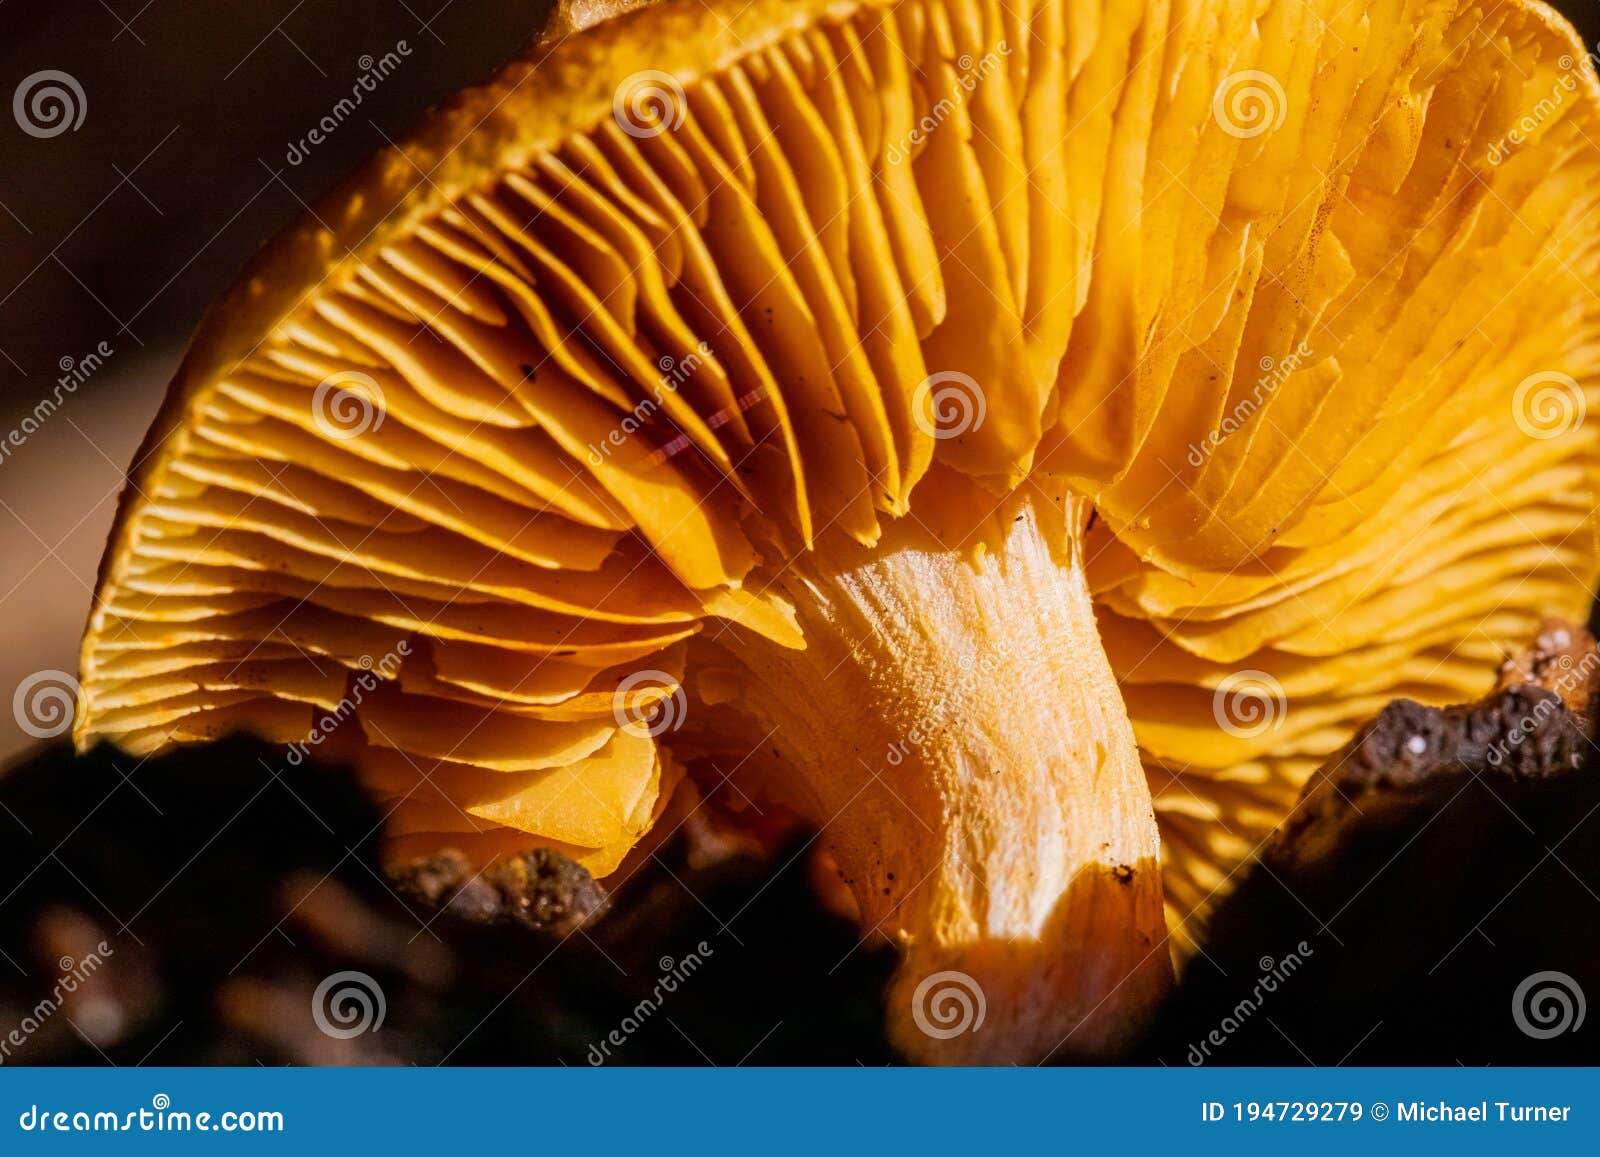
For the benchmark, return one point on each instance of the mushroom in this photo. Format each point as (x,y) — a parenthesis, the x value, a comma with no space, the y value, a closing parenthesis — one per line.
(1023,442)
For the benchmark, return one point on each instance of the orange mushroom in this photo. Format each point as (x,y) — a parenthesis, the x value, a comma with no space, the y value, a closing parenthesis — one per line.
(1022,440)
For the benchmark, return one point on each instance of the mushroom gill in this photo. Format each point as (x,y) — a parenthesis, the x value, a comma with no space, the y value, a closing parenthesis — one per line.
(1024,440)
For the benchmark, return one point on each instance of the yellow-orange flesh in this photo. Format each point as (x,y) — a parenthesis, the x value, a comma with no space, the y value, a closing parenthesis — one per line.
(730,388)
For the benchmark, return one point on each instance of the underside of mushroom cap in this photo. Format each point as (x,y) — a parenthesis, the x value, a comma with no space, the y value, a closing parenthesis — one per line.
(628,364)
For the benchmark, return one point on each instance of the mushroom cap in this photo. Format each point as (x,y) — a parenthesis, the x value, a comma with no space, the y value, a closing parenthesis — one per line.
(457,472)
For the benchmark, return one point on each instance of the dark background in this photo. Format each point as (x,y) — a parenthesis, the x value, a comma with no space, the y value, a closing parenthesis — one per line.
(125,228)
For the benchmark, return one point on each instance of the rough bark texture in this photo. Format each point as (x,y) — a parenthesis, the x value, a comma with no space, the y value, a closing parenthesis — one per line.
(541,890)
(1437,862)
(1413,757)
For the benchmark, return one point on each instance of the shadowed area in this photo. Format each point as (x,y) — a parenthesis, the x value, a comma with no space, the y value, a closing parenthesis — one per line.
(258,881)
(1431,902)
(1435,909)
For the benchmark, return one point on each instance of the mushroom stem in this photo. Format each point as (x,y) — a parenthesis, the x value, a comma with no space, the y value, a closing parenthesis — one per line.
(955,730)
